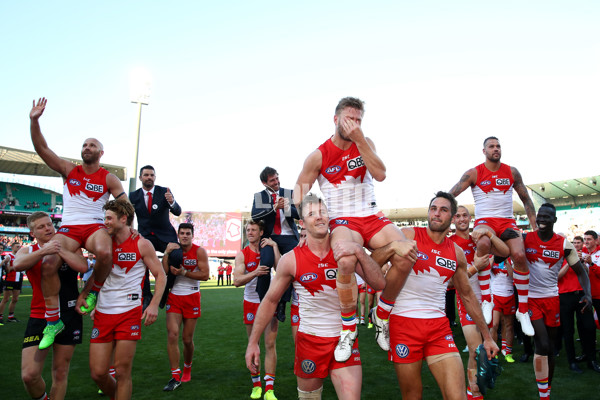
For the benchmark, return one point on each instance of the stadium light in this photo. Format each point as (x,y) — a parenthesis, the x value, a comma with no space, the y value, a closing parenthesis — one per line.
(139,93)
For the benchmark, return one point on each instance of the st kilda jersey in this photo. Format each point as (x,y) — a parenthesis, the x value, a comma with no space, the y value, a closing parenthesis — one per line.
(315,284)
(184,285)
(493,192)
(545,260)
(424,293)
(84,196)
(345,182)
(122,290)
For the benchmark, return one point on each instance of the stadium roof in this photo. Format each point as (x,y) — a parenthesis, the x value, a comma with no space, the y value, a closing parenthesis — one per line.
(22,162)
(568,188)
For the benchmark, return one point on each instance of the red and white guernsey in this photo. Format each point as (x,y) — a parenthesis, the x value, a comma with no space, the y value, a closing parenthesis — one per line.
(13,276)
(502,283)
(545,260)
(493,192)
(251,262)
(122,290)
(468,247)
(424,293)
(345,182)
(318,300)
(183,285)
(84,196)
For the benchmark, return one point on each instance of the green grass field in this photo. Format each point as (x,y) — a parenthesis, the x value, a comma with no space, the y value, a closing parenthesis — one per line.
(219,370)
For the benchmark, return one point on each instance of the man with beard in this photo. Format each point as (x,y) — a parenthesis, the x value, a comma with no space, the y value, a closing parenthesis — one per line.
(346,166)
(492,184)
(87,188)
(418,326)
(545,253)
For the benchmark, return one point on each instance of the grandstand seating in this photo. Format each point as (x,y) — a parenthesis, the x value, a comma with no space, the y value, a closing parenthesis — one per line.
(20,197)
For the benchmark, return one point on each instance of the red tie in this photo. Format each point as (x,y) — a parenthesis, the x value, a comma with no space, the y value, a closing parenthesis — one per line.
(277,227)
(149,202)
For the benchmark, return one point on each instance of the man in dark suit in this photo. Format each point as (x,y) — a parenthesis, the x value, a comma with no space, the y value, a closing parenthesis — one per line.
(152,206)
(274,206)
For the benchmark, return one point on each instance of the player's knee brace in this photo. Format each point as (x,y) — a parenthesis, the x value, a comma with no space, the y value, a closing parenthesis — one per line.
(314,395)
(347,290)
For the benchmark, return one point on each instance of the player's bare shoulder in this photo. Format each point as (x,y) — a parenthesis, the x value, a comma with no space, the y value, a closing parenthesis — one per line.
(468,179)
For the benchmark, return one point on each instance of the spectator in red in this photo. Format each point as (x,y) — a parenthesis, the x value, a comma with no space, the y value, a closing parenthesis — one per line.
(228,271)
(220,272)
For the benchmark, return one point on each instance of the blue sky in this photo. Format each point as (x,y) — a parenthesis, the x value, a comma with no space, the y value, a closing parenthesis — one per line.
(237,86)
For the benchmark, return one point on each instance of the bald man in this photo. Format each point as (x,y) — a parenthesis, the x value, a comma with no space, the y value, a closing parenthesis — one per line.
(87,187)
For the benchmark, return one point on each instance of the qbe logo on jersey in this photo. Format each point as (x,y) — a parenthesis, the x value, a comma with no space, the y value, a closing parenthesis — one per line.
(189,263)
(92,187)
(126,256)
(551,254)
(330,274)
(502,182)
(355,163)
(445,263)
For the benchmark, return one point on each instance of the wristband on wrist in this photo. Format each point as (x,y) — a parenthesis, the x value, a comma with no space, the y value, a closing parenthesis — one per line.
(184,272)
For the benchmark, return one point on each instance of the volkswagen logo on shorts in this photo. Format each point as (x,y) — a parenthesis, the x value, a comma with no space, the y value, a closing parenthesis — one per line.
(468,317)
(168,307)
(250,316)
(402,350)
(308,366)
(422,256)
(95,333)
(295,319)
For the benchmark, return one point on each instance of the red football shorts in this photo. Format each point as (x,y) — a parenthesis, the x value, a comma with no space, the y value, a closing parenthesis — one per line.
(110,327)
(465,318)
(547,308)
(498,225)
(314,356)
(413,339)
(80,233)
(367,227)
(362,288)
(370,290)
(506,305)
(188,306)
(250,312)
(295,314)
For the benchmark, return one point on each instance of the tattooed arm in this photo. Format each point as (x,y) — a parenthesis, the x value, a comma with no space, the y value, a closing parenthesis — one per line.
(521,190)
(468,179)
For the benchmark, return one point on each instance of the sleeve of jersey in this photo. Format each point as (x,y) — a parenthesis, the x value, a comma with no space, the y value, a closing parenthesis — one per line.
(571,253)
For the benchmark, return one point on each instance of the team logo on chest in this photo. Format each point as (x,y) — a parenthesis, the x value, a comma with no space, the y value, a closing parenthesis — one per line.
(551,254)
(308,277)
(190,262)
(502,182)
(74,182)
(333,169)
(126,256)
(445,263)
(92,187)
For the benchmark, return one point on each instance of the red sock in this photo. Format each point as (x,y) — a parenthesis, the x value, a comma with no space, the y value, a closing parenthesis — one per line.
(175,374)
(52,315)
(269,381)
(384,308)
(484,283)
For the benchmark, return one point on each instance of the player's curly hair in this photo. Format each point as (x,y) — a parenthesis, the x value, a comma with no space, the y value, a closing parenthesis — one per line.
(121,207)
(352,102)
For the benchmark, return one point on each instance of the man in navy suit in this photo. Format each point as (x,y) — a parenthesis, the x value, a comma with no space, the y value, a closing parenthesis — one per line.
(153,219)
(152,206)
(274,206)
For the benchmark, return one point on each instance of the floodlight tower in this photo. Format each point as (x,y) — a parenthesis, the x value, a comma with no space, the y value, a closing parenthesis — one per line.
(140,94)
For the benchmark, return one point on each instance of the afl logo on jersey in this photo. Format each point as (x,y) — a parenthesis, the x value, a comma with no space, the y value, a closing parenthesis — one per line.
(333,169)
(467,252)
(422,256)
(251,264)
(308,366)
(402,350)
(531,251)
(309,277)
(95,333)
(74,182)
(485,183)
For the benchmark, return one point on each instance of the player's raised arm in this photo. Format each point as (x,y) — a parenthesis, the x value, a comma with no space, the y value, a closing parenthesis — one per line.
(521,190)
(115,187)
(468,179)
(63,167)
(308,176)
